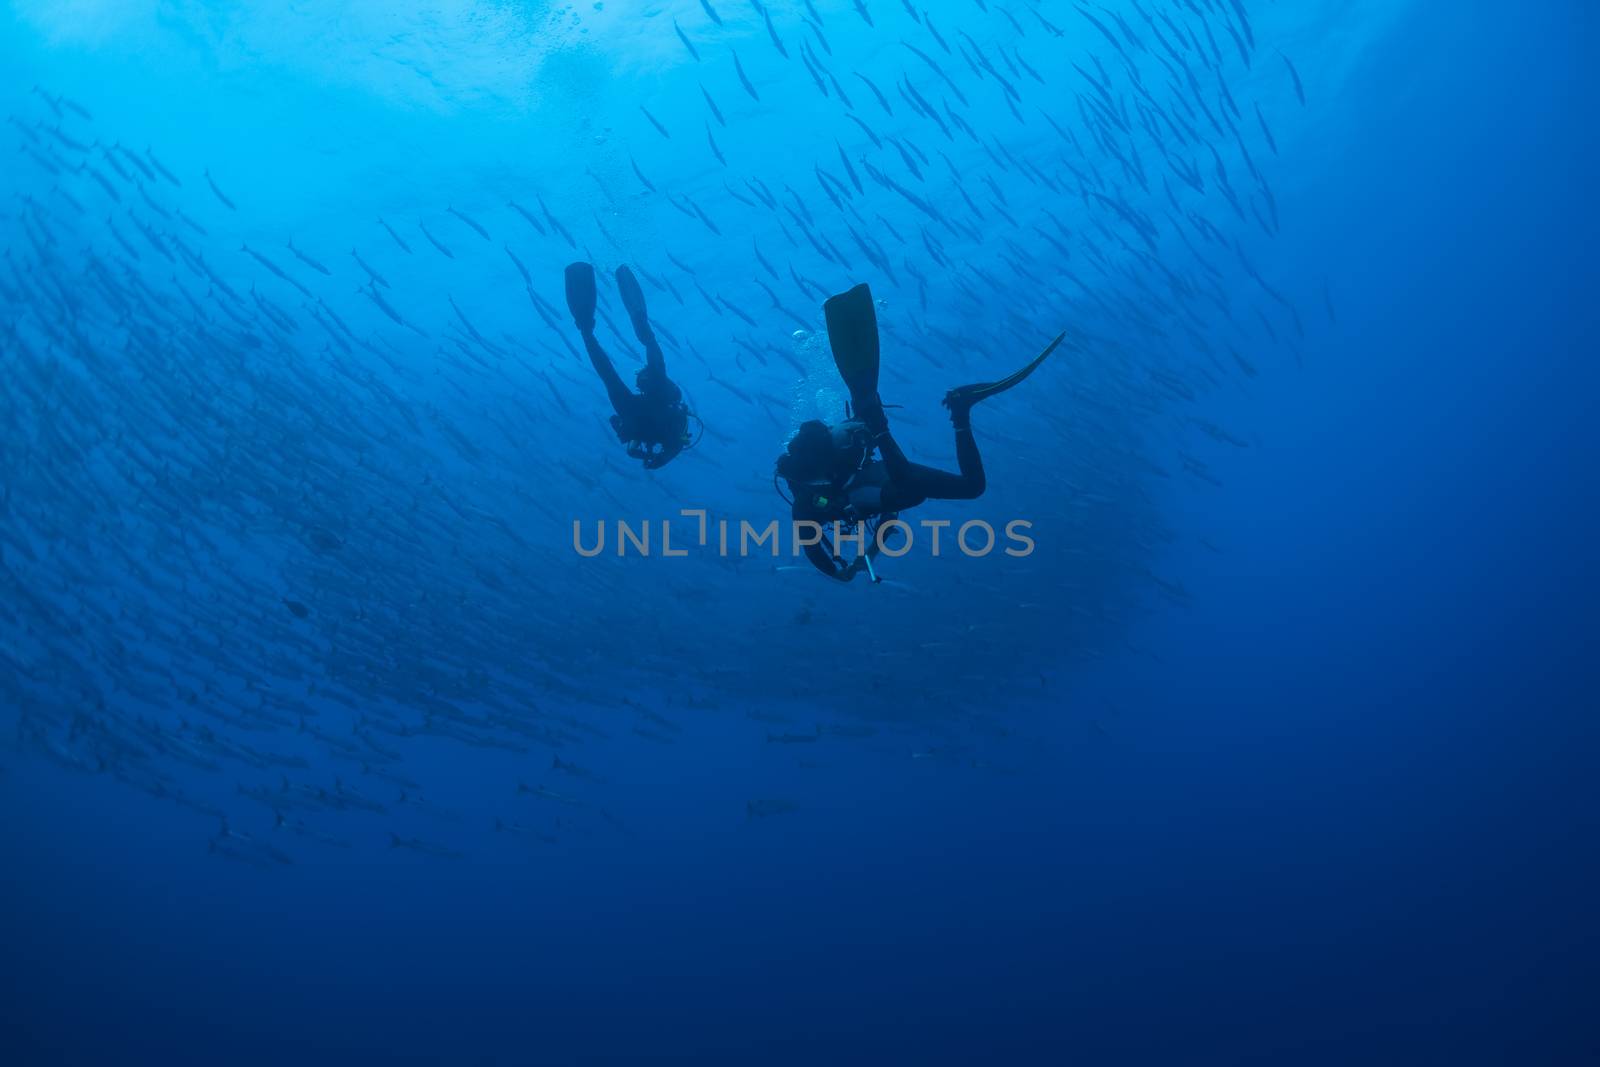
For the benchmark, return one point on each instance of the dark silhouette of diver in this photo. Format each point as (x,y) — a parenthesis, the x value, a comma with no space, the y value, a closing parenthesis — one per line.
(831,470)
(654,422)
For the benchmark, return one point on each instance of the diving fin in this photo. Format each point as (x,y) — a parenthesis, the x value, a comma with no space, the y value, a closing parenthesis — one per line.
(580,295)
(633,300)
(960,399)
(853,336)
(632,295)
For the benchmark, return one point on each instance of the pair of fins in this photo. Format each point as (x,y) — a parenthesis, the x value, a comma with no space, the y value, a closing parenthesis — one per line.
(581,295)
(853,335)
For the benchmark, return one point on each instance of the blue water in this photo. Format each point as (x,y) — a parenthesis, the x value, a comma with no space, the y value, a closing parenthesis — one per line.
(1278,749)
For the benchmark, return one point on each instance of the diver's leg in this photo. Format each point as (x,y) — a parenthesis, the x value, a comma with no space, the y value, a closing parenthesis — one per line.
(930,483)
(580,301)
(895,462)
(622,397)
(972,482)
(912,483)
(654,361)
(633,300)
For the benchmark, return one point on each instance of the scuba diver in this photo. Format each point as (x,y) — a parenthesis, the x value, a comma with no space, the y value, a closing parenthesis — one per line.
(654,422)
(831,471)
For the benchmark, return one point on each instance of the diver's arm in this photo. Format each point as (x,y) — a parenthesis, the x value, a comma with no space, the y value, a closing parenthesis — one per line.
(820,558)
(832,566)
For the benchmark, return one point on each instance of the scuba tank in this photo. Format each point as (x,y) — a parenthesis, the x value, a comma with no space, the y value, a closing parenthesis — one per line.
(852,445)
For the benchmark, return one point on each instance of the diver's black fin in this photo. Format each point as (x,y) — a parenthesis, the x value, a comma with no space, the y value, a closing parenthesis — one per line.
(632,295)
(580,295)
(633,300)
(960,399)
(853,336)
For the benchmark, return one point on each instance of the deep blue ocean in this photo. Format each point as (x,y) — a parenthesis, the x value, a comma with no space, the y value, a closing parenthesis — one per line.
(321,743)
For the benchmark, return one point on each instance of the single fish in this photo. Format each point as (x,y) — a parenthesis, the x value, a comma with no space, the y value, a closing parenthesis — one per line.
(685,39)
(218,192)
(526,278)
(772,31)
(374,275)
(390,231)
(435,241)
(662,130)
(479,230)
(744,80)
(529,217)
(427,848)
(875,92)
(637,173)
(1299,90)
(308,261)
(156,163)
(76,108)
(716,112)
(763,809)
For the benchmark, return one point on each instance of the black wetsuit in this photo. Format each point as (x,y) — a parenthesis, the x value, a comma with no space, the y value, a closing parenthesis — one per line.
(882,489)
(831,470)
(653,422)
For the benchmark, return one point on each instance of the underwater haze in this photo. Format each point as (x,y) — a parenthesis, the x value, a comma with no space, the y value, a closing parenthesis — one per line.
(324,743)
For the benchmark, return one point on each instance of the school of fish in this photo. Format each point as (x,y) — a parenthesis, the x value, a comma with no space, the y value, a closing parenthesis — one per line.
(279,519)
